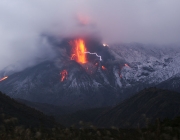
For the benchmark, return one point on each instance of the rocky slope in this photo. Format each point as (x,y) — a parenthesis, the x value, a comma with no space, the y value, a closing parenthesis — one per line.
(141,109)
(14,112)
(133,67)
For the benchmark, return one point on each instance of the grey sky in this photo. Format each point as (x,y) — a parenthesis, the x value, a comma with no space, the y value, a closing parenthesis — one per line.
(22,22)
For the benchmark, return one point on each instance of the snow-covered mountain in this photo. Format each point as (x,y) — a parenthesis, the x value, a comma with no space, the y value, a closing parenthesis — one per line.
(42,83)
(148,64)
(133,68)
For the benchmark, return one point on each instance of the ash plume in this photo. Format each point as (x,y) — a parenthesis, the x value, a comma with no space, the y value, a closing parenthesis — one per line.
(23,23)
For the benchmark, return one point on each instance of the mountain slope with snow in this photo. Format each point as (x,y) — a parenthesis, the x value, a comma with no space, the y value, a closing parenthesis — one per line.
(150,65)
(133,68)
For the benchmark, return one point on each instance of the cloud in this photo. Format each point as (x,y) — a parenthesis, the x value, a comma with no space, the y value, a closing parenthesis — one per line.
(23,23)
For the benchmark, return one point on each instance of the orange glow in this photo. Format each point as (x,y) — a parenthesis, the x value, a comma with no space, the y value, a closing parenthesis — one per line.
(105,45)
(63,74)
(72,56)
(83,20)
(126,65)
(4,78)
(78,51)
(103,68)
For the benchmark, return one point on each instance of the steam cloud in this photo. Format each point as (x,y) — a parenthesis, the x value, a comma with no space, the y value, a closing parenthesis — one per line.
(24,25)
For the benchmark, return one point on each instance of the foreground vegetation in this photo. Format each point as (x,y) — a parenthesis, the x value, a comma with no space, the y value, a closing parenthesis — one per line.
(166,130)
(20,122)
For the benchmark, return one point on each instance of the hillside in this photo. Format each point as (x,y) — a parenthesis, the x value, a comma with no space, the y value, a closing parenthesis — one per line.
(24,115)
(172,83)
(48,109)
(65,115)
(125,69)
(145,107)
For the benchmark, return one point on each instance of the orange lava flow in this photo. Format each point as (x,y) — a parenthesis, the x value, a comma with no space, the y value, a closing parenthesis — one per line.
(63,74)
(78,51)
(126,65)
(4,78)
(73,56)
(103,68)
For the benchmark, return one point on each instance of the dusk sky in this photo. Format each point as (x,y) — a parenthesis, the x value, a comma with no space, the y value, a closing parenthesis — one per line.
(23,22)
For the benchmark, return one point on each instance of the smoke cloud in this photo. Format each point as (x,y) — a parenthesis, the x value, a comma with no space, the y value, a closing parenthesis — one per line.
(24,23)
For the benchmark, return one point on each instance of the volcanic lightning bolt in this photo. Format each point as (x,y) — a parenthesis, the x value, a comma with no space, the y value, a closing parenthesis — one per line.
(100,58)
(79,51)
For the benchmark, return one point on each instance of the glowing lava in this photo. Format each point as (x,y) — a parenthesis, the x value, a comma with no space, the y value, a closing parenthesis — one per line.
(105,45)
(104,68)
(126,65)
(63,74)
(4,78)
(78,51)
(73,56)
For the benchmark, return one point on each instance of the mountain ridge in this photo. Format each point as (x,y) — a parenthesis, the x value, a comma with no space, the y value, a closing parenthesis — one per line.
(25,115)
(134,68)
(148,105)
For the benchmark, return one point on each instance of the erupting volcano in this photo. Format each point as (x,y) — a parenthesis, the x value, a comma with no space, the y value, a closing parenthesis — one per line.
(4,78)
(78,51)
(84,73)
